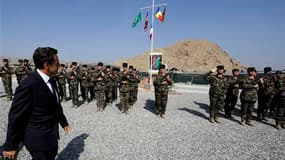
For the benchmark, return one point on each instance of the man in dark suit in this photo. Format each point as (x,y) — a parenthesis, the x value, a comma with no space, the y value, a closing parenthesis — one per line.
(36,110)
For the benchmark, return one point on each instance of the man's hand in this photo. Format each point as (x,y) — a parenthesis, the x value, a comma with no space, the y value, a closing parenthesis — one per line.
(164,82)
(66,129)
(10,154)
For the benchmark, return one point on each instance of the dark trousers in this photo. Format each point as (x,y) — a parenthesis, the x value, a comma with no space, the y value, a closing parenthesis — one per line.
(216,103)
(280,112)
(246,110)
(161,101)
(230,102)
(46,155)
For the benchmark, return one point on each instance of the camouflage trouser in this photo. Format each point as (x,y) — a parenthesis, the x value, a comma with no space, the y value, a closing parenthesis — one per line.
(101,99)
(136,93)
(109,94)
(161,101)
(230,102)
(280,113)
(132,98)
(62,91)
(73,89)
(84,92)
(7,82)
(216,103)
(246,110)
(264,103)
(124,98)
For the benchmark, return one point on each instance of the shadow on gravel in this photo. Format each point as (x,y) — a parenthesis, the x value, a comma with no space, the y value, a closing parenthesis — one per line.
(196,113)
(202,106)
(150,106)
(73,149)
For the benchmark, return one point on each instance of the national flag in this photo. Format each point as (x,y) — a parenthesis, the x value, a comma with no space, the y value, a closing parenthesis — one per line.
(146,22)
(163,14)
(150,32)
(137,19)
(158,15)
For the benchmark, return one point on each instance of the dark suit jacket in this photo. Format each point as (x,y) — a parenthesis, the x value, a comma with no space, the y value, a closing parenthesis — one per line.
(34,116)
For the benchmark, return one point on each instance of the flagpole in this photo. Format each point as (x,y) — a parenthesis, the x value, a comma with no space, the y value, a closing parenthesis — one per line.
(151,46)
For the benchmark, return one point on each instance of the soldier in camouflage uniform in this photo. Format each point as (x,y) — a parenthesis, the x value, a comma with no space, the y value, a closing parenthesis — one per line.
(124,88)
(133,85)
(84,78)
(100,87)
(280,112)
(161,84)
(61,81)
(92,83)
(6,74)
(266,94)
(217,92)
(109,79)
(232,93)
(73,80)
(18,70)
(24,70)
(248,96)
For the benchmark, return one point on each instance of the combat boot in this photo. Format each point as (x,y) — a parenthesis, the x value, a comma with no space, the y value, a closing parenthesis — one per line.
(211,119)
(278,126)
(217,120)
(162,115)
(242,122)
(249,123)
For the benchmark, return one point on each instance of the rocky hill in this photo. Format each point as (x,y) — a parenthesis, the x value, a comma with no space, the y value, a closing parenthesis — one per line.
(191,56)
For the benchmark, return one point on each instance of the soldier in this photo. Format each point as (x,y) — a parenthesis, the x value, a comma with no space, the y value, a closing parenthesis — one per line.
(266,94)
(84,83)
(248,96)
(109,79)
(92,83)
(133,85)
(218,89)
(124,88)
(61,81)
(6,74)
(100,87)
(232,93)
(280,112)
(24,70)
(18,70)
(72,78)
(161,83)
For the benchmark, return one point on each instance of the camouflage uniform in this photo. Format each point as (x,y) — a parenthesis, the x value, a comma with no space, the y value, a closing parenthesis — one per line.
(61,81)
(161,91)
(73,80)
(266,94)
(100,88)
(92,83)
(280,112)
(133,86)
(23,71)
(18,71)
(124,91)
(6,72)
(231,96)
(109,79)
(248,97)
(84,78)
(217,92)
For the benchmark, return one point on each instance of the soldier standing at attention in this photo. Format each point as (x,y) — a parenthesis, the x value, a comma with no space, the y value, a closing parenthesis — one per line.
(92,83)
(161,83)
(109,79)
(6,74)
(217,92)
(84,83)
(232,93)
(133,83)
(248,96)
(27,70)
(100,87)
(61,81)
(280,112)
(72,78)
(124,88)
(18,70)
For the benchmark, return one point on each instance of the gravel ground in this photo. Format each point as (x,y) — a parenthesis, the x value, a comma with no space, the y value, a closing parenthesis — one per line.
(185,133)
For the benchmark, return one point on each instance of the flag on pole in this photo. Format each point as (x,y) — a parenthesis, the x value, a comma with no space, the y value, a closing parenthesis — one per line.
(163,14)
(150,32)
(158,15)
(137,19)
(146,22)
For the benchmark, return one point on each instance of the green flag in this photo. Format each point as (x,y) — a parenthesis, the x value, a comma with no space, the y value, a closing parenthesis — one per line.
(137,19)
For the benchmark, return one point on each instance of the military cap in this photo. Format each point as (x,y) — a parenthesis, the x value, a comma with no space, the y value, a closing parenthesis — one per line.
(251,69)
(100,64)
(125,65)
(26,60)
(73,63)
(220,67)
(131,67)
(267,69)
(20,60)
(235,70)
(161,66)
(5,60)
(108,66)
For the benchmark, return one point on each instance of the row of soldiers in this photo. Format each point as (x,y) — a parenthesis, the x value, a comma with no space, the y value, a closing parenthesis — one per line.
(101,83)
(268,90)
(21,72)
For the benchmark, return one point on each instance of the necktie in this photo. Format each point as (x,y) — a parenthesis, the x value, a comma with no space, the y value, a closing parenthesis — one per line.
(53,85)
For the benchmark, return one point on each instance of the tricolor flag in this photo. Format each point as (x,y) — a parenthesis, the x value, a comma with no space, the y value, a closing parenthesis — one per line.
(158,15)
(146,22)
(137,19)
(150,32)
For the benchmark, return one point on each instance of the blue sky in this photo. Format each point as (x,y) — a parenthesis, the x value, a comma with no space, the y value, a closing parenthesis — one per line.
(251,31)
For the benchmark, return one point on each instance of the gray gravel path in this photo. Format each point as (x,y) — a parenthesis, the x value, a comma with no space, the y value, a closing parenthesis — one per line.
(185,133)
